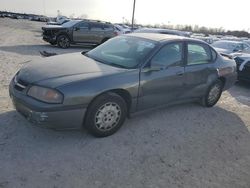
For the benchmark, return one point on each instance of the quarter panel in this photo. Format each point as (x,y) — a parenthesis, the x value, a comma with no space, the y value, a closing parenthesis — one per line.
(197,78)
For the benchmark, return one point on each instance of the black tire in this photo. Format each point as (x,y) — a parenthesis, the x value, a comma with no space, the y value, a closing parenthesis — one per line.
(213,94)
(97,116)
(63,41)
(53,43)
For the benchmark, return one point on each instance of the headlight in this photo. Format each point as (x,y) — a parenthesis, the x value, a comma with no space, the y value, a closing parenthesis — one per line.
(45,94)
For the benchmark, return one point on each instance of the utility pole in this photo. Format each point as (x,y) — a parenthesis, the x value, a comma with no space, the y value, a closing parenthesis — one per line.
(133,15)
(44,12)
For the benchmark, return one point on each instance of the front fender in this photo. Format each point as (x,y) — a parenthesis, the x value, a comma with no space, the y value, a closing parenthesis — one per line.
(83,92)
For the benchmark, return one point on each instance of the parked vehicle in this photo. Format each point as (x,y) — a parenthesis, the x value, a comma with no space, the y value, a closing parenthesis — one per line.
(34,18)
(59,21)
(43,19)
(120,30)
(207,39)
(162,31)
(243,66)
(124,26)
(228,47)
(247,41)
(126,74)
(78,32)
(13,16)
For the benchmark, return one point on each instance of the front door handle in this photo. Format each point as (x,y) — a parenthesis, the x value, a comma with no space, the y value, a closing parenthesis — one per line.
(180,73)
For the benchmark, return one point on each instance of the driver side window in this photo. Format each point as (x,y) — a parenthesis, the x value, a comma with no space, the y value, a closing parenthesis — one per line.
(169,55)
(83,25)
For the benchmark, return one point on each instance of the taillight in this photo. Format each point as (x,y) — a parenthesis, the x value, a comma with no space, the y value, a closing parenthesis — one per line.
(116,33)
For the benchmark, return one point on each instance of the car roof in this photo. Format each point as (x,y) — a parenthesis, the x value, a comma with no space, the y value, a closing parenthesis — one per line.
(157,37)
(162,31)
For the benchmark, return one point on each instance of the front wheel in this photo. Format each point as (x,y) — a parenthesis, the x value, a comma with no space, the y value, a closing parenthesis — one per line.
(52,43)
(213,94)
(106,115)
(63,41)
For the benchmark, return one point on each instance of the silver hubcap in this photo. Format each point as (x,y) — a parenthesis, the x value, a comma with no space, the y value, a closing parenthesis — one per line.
(107,116)
(214,94)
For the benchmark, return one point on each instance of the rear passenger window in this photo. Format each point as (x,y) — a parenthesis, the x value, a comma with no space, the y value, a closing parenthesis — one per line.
(198,54)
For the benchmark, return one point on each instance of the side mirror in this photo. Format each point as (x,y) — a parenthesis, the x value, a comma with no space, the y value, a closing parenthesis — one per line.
(76,28)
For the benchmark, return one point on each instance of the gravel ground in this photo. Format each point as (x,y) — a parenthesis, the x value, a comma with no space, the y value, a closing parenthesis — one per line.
(180,146)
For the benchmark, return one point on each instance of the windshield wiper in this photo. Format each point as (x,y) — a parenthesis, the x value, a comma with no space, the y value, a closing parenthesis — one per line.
(117,65)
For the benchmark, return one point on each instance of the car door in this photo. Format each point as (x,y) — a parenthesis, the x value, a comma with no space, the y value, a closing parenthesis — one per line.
(97,32)
(81,32)
(199,67)
(161,81)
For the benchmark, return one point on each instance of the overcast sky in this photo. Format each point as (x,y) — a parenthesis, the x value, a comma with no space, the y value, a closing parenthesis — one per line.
(210,13)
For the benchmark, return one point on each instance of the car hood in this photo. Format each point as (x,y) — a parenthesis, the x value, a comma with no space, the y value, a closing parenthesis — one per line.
(221,50)
(244,56)
(53,26)
(62,69)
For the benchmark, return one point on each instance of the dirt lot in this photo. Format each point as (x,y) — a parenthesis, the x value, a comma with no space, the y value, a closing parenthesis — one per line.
(181,146)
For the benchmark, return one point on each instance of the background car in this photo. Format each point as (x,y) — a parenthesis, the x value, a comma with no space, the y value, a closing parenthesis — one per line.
(59,20)
(228,47)
(126,74)
(207,39)
(243,66)
(88,32)
(121,30)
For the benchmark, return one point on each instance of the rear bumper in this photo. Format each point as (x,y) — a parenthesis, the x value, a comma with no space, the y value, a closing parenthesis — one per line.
(62,118)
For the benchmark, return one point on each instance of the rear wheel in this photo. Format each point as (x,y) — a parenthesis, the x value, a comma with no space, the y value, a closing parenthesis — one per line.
(106,115)
(63,41)
(213,94)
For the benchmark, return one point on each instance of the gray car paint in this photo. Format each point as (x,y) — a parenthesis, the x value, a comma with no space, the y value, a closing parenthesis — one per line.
(77,34)
(81,79)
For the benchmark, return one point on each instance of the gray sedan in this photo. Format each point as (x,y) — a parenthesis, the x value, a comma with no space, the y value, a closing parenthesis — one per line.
(99,89)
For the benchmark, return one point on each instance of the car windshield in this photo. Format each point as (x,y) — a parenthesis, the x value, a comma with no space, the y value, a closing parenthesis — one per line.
(70,23)
(124,51)
(225,45)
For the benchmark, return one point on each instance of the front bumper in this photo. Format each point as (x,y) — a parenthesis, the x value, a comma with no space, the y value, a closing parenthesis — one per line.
(36,113)
(51,39)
